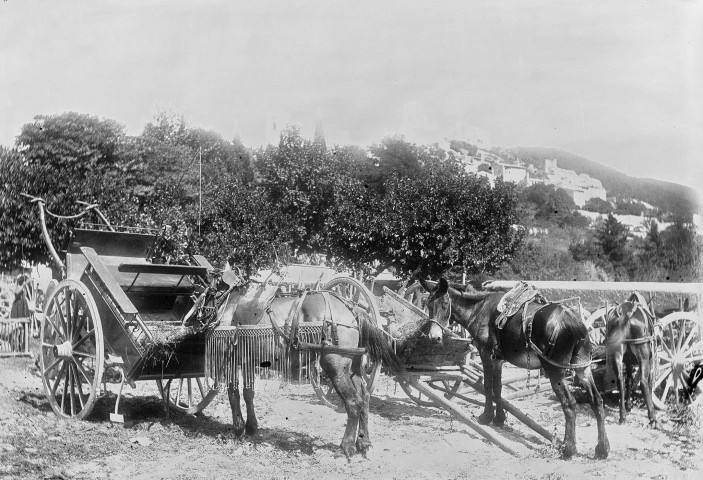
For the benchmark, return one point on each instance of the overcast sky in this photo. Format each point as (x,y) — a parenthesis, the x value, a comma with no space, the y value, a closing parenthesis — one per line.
(618,82)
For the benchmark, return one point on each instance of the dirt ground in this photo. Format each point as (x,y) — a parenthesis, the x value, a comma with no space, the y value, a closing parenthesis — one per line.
(299,437)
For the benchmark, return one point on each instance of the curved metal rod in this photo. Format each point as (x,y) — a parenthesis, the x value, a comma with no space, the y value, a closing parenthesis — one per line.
(45,232)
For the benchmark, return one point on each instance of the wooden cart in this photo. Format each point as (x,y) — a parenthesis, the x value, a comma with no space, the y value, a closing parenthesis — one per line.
(106,313)
(679,339)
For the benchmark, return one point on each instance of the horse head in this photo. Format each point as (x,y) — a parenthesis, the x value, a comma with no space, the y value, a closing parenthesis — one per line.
(440,309)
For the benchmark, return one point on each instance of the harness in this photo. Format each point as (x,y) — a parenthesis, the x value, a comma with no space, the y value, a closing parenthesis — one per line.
(291,327)
(521,297)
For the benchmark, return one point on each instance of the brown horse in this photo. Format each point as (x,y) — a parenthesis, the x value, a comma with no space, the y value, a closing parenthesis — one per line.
(630,341)
(558,341)
(343,327)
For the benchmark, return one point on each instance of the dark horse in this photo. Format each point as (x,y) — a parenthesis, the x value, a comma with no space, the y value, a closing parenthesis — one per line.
(630,341)
(555,329)
(248,306)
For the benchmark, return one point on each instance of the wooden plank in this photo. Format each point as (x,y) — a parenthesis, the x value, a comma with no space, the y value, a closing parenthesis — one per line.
(404,310)
(162,269)
(202,261)
(670,287)
(509,407)
(457,412)
(111,284)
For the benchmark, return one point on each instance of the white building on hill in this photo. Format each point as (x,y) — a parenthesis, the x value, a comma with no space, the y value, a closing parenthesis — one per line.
(512,173)
(581,187)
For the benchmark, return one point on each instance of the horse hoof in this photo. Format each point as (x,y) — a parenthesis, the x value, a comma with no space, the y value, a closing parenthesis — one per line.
(653,425)
(602,452)
(622,421)
(251,431)
(348,448)
(484,419)
(363,447)
(568,451)
(238,432)
(499,421)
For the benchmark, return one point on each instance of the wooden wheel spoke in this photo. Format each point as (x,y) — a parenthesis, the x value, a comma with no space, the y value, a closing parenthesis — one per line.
(667,350)
(80,368)
(58,332)
(84,354)
(180,389)
(79,327)
(681,326)
(58,377)
(51,366)
(72,382)
(82,340)
(696,358)
(688,344)
(69,313)
(65,387)
(79,385)
(663,375)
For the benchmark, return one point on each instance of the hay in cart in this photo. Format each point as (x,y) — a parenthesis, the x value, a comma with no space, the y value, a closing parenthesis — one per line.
(408,329)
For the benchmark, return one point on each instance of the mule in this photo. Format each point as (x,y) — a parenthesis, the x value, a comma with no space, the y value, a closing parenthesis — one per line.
(630,341)
(352,328)
(555,329)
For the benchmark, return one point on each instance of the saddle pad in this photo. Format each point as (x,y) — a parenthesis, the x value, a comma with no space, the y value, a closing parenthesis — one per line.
(513,300)
(254,302)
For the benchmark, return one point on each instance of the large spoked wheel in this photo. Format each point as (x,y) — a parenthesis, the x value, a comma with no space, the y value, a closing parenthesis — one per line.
(72,350)
(323,387)
(33,300)
(188,395)
(681,348)
(417,295)
(356,293)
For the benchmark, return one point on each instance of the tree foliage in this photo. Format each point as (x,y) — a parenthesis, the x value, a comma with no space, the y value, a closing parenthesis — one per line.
(436,220)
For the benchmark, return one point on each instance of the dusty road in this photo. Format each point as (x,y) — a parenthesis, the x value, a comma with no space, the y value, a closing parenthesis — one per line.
(299,439)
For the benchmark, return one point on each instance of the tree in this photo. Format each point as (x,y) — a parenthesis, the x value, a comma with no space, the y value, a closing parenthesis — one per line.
(299,177)
(612,238)
(436,220)
(598,205)
(61,158)
(550,203)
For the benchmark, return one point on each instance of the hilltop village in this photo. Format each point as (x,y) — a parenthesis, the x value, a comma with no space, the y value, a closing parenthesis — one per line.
(580,187)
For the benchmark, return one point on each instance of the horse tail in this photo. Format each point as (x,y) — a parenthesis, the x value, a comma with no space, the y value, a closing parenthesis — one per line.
(579,333)
(377,343)
(616,327)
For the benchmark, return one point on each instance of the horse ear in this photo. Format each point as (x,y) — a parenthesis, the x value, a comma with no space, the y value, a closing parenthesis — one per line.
(442,287)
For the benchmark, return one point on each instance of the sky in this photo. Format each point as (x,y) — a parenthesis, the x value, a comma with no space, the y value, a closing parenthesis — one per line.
(620,83)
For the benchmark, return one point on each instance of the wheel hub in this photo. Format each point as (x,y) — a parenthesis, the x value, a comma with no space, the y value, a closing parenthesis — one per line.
(64,350)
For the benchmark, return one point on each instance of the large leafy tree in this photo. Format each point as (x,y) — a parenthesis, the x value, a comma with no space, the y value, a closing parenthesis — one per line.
(300,177)
(61,158)
(437,219)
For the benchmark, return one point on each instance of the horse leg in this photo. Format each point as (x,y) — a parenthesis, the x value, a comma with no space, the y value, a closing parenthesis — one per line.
(338,372)
(499,419)
(252,424)
(568,405)
(488,413)
(363,441)
(586,380)
(237,420)
(644,358)
(628,386)
(618,367)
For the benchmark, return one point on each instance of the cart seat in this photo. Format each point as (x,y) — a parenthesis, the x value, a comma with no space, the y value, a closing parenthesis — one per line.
(123,255)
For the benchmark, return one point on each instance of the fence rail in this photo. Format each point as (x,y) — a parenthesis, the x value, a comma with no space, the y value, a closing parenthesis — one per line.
(14,337)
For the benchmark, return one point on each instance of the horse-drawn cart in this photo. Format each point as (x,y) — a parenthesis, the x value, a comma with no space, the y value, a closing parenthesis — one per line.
(114,317)
(678,341)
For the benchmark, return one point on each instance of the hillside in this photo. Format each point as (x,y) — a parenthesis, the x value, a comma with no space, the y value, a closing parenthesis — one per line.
(669,197)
